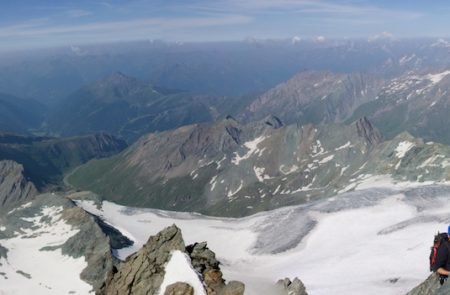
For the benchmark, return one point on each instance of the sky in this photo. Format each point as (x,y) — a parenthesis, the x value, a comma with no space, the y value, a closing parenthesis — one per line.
(46,23)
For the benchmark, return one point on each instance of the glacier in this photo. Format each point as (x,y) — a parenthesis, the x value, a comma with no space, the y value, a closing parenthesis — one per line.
(374,240)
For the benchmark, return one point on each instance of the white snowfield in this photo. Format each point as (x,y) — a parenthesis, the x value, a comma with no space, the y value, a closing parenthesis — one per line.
(179,269)
(28,270)
(372,241)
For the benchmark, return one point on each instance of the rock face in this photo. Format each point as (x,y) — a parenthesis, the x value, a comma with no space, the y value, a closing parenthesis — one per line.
(431,286)
(295,287)
(144,271)
(14,188)
(367,131)
(205,263)
(90,242)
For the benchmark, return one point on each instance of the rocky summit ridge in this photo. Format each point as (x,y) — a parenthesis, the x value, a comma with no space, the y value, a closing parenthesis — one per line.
(145,271)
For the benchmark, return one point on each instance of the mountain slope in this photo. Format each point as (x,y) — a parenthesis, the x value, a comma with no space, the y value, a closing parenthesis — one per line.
(315,97)
(126,107)
(19,115)
(14,187)
(45,159)
(416,102)
(228,168)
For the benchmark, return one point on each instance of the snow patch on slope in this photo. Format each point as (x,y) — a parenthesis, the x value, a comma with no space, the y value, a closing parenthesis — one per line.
(252,147)
(402,148)
(179,269)
(31,270)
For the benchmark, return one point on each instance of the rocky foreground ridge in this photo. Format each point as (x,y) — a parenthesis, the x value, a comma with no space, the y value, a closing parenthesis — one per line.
(431,286)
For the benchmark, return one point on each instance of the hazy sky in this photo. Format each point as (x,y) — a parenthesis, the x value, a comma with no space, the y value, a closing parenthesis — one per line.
(31,23)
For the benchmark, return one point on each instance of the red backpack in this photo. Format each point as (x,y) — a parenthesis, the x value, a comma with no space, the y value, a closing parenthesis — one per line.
(439,239)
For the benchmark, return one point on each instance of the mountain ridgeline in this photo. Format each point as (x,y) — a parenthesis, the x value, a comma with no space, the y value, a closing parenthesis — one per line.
(233,169)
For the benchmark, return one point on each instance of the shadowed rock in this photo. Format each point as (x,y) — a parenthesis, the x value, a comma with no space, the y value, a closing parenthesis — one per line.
(14,188)
(143,272)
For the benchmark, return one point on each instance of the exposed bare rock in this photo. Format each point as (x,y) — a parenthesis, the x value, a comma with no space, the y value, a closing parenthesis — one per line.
(366,130)
(143,272)
(179,288)
(431,286)
(233,288)
(14,187)
(294,287)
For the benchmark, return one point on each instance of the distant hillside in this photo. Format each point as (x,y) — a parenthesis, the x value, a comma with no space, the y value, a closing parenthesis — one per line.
(232,169)
(19,115)
(315,97)
(129,108)
(417,102)
(46,159)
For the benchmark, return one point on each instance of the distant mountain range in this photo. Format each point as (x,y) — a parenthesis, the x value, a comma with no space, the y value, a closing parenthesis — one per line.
(129,108)
(225,68)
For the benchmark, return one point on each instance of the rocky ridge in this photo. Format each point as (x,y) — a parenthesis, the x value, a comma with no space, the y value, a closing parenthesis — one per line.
(39,222)
(234,169)
(145,271)
(15,189)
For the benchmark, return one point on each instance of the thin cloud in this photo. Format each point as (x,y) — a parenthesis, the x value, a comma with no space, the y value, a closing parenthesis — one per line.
(76,13)
(124,26)
(300,6)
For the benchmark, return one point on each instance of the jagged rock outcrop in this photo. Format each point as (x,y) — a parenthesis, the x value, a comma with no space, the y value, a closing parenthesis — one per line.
(431,286)
(144,271)
(90,242)
(366,130)
(14,187)
(289,287)
(205,263)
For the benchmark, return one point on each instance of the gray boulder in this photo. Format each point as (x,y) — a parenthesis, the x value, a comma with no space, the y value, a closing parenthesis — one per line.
(179,288)
(289,287)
